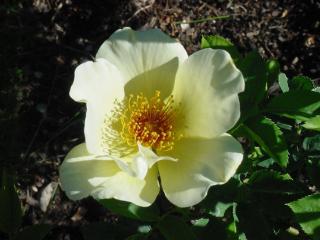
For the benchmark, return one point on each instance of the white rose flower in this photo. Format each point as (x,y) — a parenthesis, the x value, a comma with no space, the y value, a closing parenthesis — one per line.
(154,117)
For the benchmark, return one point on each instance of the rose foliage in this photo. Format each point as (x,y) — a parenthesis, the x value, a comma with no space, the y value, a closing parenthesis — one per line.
(215,145)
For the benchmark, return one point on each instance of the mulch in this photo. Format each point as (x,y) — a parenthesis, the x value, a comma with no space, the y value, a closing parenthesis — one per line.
(44,40)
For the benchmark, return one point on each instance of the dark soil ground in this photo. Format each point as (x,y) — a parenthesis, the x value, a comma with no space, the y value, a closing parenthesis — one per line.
(42,41)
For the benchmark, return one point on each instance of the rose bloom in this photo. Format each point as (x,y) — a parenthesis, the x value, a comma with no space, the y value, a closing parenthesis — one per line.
(154,117)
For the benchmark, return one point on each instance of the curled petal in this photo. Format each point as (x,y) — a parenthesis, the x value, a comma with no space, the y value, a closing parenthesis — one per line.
(145,160)
(102,179)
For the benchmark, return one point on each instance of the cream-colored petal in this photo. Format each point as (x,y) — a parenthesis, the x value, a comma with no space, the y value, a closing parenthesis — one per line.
(151,157)
(103,179)
(141,192)
(158,79)
(76,170)
(147,58)
(98,84)
(144,160)
(206,92)
(201,164)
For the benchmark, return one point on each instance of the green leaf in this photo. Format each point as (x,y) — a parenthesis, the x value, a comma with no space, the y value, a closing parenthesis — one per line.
(313,123)
(144,228)
(10,207)
(36,232)
(130,210)
(254,71)
(220,209)
(273,70)
(232,231)
(268,181)
(301,83)
(268,135)
(267,163)
(242,236)
(218,42)
(312,144)
(316,89)
(201,222)
(199,226)
(283,82)
(307,214)
(298,104)
(174,228)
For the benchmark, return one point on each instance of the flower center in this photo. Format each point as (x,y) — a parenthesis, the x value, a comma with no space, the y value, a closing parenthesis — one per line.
(148,121)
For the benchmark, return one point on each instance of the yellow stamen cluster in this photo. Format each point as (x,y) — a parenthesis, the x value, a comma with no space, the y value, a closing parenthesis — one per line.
(149,122)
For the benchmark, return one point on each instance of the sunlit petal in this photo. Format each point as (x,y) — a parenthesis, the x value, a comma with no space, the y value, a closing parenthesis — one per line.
(148,59)
(201,164)
(206,92)
(98,84)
